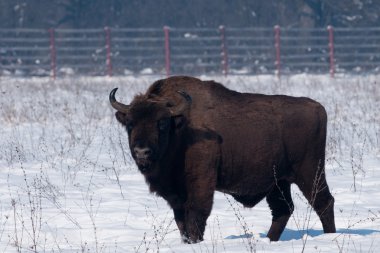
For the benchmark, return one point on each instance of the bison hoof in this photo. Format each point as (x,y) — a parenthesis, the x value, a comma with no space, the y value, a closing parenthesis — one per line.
(189,240)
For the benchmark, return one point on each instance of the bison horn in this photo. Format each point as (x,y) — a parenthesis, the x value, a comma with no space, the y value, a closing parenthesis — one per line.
(182,107)
(117,105)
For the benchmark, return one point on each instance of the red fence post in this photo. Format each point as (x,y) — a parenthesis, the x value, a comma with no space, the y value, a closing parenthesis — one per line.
(224,54)
(331,50)
(277,47)
(108,50)
(53,58)
(167,50)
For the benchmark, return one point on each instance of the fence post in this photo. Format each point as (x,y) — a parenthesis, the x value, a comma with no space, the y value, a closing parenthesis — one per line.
(108,50)
(331,50)
(224,54)
(277,47)
(53,58)
(167,50)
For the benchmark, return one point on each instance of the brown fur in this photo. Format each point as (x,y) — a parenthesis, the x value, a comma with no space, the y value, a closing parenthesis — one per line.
(251,146)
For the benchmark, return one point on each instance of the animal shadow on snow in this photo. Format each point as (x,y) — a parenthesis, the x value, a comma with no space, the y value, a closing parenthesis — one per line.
(290,234)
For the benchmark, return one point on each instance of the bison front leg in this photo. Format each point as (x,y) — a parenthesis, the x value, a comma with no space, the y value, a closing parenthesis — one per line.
(195,222)
(179,217)
(201,166)
(191,231)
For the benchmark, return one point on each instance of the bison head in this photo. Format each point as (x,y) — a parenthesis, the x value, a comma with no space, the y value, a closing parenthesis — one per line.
(150,122)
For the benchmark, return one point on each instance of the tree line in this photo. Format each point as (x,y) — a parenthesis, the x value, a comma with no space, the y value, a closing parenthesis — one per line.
(188,13)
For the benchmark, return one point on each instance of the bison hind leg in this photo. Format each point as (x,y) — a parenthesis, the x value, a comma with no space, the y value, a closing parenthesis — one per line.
(314,187)
(281,204)
(324,206)
(322,201)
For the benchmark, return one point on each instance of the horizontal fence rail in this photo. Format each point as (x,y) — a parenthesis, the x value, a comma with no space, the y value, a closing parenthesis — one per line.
(170,51)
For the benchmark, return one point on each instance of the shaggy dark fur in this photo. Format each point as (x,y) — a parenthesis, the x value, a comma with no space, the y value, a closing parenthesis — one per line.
(251,146)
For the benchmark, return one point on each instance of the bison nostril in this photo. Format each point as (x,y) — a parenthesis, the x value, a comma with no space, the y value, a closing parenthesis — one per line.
(142,153)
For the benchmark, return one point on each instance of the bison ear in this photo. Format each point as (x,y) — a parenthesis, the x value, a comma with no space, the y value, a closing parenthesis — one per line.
(121,117)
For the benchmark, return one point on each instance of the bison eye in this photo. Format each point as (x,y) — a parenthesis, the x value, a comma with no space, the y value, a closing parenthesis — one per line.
(163,124)
(129,126)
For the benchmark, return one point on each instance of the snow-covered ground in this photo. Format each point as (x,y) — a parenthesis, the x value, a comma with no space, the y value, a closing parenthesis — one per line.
(68,184)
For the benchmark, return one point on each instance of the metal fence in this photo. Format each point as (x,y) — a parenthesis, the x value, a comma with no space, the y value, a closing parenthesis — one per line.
(169,51)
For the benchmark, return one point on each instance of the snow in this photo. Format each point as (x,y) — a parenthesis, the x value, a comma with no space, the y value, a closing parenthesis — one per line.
(68,183)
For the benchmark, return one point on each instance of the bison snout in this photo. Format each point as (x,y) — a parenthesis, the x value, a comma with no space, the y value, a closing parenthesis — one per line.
(143,158)
(142,153)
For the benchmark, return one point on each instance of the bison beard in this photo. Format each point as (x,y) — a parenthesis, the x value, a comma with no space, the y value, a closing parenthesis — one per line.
(191,137)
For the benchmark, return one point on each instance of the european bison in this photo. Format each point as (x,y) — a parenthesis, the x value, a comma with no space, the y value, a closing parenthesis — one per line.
(190,137)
